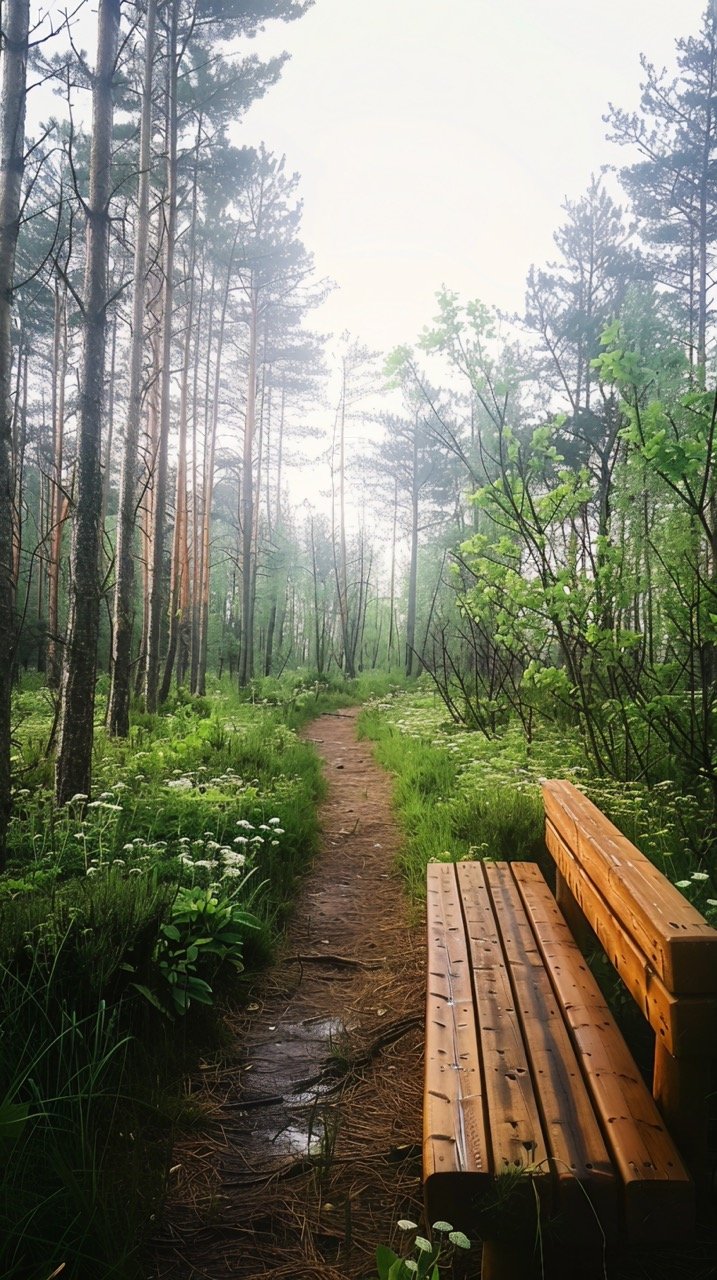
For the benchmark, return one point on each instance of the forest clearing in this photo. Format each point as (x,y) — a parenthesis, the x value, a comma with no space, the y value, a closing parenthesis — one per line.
(358,641)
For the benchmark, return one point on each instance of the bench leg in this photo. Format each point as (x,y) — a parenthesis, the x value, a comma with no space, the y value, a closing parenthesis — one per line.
(501,1260)
(680,1087)
(504,1261)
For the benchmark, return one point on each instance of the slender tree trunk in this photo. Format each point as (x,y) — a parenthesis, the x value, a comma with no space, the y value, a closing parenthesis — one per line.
(413,571)
(107,460)
(703,245)
(16,17)
(119,699)
(59,378)
(18,452)
(77,695)
(146,506)
(154,638)
(247,656)
(389,652)
(179,585)
(196,520)
(208,485)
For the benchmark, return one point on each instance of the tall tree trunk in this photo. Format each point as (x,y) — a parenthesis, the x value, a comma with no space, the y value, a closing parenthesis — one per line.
(196,505)
(247,507)
(413,572)
(57,504)
(107,460)
(19,439)
(392,594)
(12,160)
(208,485)
(179,585)
(154,638)
(119,699)
(146,505)
(77,696)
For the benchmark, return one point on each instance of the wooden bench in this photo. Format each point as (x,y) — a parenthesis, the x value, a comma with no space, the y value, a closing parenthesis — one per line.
(534,1108)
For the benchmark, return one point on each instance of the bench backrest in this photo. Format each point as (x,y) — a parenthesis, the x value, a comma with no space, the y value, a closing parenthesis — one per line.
(663,949)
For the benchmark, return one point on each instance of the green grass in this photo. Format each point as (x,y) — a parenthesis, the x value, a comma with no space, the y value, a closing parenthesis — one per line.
(459,794)
(219,791)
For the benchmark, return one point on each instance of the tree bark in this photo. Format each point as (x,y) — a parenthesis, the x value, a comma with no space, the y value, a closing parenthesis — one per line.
(247,657)
(208,486)
(119,700)
(12,150)
(413,572)
(77,697)
(154,637)
(59,376)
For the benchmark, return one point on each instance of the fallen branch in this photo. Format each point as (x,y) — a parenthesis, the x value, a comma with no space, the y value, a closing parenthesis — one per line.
(339,961)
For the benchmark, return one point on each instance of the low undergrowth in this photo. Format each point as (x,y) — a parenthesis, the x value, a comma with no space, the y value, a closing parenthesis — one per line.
(460,794)
(122,918)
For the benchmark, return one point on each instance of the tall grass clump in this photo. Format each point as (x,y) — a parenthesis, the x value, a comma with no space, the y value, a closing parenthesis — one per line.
(442,818)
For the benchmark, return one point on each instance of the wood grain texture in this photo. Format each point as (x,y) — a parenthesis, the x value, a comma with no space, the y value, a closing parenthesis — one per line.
(577,1153)
(686,1025)
(658,1195)
(675,939)
(455,1137)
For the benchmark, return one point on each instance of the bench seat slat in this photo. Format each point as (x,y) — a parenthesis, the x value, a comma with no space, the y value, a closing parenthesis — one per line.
(455,1139)
(675,938)
(579,1159)
(658,1193)
(516,1132)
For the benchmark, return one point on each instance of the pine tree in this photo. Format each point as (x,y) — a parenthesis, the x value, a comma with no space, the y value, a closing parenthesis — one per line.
(16,19)
(673,186)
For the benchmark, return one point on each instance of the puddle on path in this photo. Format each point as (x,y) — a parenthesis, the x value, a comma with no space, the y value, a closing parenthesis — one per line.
(288,1064)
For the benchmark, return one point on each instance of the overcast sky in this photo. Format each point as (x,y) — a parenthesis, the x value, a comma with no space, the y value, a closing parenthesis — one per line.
(436,139)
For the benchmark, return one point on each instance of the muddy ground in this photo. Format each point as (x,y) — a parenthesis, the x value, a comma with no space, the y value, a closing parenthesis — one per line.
(312,1149)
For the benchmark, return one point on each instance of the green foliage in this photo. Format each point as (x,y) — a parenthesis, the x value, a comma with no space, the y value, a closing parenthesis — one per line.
(459,794)
(206,929)
(427,1254)
(113,914)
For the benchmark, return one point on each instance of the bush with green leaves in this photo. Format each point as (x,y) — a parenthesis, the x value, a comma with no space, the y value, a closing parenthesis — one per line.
(205,931)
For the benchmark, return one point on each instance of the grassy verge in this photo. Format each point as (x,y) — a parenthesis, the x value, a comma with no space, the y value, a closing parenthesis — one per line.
(459,794)
(120,921)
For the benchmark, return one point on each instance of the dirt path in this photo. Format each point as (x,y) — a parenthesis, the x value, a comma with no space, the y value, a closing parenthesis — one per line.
(313,1149)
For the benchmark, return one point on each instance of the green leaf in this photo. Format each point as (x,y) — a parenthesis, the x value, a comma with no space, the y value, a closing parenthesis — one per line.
(459,1239)
(149,996)
(385,1258)
(423,1244)
(442,1226)
(405,1224)
(13,1116)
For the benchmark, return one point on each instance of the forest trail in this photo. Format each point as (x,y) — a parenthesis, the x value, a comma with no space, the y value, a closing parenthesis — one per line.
(313,1149)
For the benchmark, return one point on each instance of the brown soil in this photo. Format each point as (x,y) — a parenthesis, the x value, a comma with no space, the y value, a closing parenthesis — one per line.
(312,1149)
